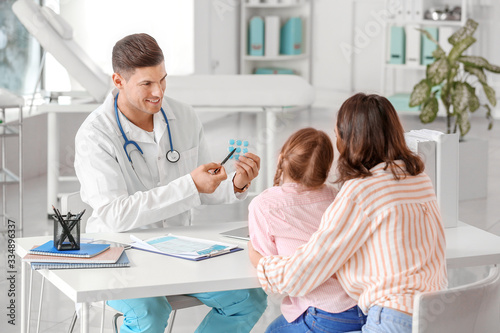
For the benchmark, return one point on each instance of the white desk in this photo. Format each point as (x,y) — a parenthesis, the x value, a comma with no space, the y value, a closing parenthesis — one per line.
(466,246)
(150,274)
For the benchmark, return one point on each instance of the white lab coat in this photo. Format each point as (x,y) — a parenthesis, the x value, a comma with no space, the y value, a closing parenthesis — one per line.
(110,186)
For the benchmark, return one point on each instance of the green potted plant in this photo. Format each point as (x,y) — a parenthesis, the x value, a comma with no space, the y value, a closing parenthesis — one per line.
(455,79)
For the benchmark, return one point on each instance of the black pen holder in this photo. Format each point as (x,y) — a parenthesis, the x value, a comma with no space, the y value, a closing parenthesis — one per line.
(67,233)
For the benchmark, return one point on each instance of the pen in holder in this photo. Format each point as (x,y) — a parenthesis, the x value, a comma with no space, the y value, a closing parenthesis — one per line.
(67,231)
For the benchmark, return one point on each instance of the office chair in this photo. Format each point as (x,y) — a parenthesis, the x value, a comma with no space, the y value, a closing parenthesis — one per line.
(471,308)
(73,202)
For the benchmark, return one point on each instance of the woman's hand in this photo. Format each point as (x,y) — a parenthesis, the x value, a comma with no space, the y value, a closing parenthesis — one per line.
(253,255)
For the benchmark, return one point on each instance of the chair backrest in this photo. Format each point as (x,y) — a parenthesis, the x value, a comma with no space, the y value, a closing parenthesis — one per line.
(469,308)
(73,202)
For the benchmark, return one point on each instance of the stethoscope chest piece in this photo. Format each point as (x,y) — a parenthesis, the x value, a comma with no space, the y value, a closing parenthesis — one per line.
(173,156)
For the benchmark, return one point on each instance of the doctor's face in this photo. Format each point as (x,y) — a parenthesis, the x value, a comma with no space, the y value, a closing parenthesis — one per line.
(143,90)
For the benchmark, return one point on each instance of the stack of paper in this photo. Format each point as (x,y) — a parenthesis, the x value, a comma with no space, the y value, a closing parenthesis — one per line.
(46,256)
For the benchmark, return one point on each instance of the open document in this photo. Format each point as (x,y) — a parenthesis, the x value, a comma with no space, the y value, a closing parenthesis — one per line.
(184,247)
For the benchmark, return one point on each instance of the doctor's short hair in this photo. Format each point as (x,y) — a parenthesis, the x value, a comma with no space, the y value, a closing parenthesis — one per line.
(135,51)
(306,158)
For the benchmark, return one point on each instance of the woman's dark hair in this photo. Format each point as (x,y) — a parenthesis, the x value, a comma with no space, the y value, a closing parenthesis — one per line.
(306,157)
(368,133)
(135,51)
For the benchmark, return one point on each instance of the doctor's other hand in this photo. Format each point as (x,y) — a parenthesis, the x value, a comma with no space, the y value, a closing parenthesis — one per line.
(206,181)
(247,168)
(253,255)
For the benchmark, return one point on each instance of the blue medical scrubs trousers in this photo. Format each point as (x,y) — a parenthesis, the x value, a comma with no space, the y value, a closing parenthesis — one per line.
(232,311)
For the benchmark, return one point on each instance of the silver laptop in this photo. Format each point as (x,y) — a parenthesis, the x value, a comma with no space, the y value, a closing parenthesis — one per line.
(239,233)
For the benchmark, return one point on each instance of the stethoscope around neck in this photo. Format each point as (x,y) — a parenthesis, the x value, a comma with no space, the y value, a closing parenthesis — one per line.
(172,155)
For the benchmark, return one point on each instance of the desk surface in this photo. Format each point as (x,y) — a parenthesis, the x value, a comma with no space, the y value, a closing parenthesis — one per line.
(153,274)
(470,246)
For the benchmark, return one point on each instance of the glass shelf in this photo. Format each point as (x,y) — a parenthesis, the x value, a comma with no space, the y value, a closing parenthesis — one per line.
(427,23)
(275,4)
(279,57)
(408,67)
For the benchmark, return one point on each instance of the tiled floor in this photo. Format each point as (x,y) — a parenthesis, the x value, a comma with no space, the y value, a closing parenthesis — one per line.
(57,310)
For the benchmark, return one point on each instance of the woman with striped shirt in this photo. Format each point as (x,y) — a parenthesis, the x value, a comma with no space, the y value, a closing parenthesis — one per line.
(284,217)
(382,236)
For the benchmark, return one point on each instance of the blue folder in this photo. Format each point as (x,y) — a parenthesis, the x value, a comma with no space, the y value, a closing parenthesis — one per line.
(291,37)
(86,250)
(398,45)
(269,70)
(256,36)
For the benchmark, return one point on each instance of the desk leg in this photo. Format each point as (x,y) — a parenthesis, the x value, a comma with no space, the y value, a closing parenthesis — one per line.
(24,297)
(85,318)
(52,160)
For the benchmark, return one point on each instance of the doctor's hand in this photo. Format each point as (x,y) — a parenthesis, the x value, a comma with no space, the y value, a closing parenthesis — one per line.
(247,168)
(253,255)
(206,181)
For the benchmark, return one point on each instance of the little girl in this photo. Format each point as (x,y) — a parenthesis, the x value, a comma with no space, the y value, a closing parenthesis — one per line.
(284,217)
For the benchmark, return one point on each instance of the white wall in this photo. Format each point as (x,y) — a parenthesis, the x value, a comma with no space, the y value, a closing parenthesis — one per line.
(217,36)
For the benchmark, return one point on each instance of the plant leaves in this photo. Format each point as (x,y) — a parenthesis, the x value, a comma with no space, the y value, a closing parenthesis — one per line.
(463,122)
(446,95)
(460,98)
(459,48)
(489,116)
(429,36)
(490,94)
(437,71)
(478,72)
(438,53)
(479,62)
(421,92)
(429,110)
(473,99)
(467,30)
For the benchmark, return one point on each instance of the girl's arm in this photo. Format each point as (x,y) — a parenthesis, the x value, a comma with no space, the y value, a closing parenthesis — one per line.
(254,255)
(344,229)
(259,221)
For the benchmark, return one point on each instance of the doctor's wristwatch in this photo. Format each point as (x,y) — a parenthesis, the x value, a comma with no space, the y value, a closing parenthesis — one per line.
(243,189)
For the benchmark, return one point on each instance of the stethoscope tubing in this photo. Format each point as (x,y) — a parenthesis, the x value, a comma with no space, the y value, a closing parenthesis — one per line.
(172,151)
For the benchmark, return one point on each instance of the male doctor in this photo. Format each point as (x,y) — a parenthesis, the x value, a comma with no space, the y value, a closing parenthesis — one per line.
(142,162)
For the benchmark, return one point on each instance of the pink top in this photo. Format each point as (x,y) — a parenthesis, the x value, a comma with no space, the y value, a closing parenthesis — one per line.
(281,219)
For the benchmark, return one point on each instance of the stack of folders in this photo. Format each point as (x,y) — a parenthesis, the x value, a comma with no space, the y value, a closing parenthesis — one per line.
(46,256)
(266,36)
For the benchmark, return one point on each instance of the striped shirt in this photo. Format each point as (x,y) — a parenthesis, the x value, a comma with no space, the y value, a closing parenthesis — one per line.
(382,237)
(281,219)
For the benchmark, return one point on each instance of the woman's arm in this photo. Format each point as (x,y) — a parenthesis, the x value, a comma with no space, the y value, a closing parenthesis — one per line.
(344,229)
